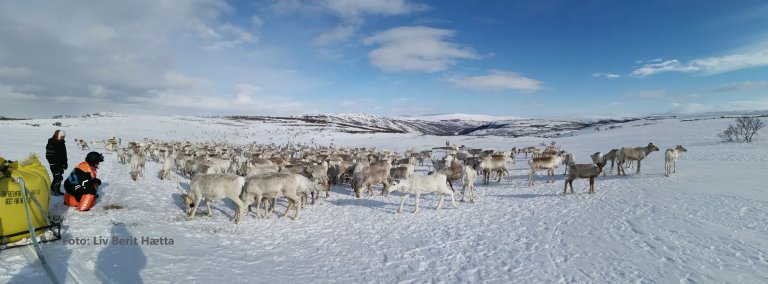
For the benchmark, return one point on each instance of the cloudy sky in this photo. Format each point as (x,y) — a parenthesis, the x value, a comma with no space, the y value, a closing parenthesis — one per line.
(387,57)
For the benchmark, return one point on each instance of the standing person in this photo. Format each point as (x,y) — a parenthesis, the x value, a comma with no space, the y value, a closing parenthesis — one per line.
(56,154)
(82,183)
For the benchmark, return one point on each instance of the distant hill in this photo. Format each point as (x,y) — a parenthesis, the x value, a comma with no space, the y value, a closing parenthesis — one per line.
(88,115)
(451,125)
(9,118)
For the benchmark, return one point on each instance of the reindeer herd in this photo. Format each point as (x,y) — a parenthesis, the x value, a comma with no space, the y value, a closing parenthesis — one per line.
(258,173)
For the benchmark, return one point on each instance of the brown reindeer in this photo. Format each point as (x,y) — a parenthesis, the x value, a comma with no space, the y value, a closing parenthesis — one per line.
(633,154)
(590,171)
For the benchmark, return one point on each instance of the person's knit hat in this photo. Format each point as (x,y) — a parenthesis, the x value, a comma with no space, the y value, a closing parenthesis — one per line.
(59,135)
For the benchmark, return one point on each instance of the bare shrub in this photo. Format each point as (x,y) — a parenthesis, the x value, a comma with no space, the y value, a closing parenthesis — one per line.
(744,129)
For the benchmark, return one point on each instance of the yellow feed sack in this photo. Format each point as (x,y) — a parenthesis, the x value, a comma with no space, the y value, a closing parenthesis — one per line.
(13,217)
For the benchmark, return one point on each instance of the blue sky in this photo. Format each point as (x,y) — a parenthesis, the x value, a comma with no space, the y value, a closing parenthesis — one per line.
(512,58)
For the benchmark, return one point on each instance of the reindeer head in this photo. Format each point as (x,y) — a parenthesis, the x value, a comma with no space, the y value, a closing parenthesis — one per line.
(321,184)
(681,148)
(188,202)
(393,185)
(652,147)
(135,175)
(601,165)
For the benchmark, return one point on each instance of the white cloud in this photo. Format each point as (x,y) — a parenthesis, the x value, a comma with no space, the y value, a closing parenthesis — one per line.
(353,10)
(245,92)
(174,79)
(651,95)
(709,65)
(283,7)
(741,86)
(247,98)
(689,107)
(416,49)
(233,36)
(747,105)
(666,66)
(256,21)
(605,75)
(7,93)
(105,53)
(101,33)
(339,34)
(352,13)
(357,104)
(497,81)
(394,106)
(8,72)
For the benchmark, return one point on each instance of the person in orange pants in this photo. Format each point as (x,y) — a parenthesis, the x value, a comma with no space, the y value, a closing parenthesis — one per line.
(82,183)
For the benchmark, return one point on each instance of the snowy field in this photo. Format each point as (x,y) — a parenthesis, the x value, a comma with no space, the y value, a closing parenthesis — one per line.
(708,223)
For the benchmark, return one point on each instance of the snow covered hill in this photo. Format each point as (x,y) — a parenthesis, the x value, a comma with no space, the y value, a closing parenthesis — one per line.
(88,115)
(707,223)
(457,124)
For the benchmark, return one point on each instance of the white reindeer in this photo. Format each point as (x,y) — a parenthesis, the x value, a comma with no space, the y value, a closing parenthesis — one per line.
(292,186)
(548,163)
(493,164)
(214,187)
(137,165)
(670,159)
(434,183)
(167,170)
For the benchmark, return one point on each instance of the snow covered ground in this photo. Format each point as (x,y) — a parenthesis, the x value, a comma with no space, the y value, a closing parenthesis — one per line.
(707,223)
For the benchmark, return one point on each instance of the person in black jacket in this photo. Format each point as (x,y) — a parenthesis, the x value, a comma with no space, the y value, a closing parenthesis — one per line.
(56,154)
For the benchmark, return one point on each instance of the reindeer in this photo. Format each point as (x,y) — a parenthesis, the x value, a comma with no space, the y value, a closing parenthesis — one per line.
(670,158)
(633,154)
(584,171)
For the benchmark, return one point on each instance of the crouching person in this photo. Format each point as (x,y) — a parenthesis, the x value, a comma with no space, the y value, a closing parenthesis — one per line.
(82,183)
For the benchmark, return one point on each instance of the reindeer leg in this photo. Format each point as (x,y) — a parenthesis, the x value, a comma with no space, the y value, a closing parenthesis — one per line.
(269,207)
(402,203)
(440,203)
(550,178)
(258,203)
(417,203)
(208,205)
(239,204)
(638,167)
(193,210)
(290,204)
(612,162)
(530,178)
(296,201)
(453,201)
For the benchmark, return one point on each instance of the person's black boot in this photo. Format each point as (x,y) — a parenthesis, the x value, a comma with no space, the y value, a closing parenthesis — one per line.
(55,190)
